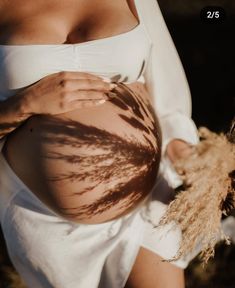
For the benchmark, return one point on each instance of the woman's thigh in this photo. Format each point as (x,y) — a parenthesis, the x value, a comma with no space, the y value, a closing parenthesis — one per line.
(149,271)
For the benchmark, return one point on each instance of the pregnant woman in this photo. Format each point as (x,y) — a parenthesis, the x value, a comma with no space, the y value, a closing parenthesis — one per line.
(81,143)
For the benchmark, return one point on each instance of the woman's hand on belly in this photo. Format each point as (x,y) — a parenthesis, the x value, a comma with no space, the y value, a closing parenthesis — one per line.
(93,164)
(65,91)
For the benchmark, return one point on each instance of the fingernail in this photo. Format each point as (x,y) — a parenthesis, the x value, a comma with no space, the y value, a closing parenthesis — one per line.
(111,95)
(112,86)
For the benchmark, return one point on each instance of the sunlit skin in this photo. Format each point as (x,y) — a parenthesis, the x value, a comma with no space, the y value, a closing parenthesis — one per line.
(37,144)
(78,157)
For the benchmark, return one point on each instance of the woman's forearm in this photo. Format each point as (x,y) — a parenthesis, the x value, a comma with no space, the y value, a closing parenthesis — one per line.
(13,112)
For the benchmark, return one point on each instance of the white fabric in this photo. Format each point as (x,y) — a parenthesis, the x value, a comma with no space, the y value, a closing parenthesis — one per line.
(165,80)
(51,252)
(108,57)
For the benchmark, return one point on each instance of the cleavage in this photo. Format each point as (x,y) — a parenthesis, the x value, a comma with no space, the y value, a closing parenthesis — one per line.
(106,21)
(102,24)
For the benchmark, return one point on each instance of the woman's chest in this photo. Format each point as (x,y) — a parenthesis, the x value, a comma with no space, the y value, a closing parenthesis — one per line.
(64,21)
(120,54)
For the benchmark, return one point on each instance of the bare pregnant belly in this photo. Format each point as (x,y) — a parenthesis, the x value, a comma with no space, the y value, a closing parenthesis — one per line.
(93,164)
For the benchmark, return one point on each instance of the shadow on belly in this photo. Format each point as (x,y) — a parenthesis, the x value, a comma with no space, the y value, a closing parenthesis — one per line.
(124,169)
(102,170)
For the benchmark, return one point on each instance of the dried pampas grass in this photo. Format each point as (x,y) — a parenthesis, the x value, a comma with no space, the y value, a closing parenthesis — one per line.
(208,175)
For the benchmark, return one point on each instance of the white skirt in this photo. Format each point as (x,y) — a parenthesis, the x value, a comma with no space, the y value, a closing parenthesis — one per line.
(50,252)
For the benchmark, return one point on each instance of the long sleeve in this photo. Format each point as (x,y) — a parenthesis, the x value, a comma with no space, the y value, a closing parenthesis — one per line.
(167,84)
(165,78)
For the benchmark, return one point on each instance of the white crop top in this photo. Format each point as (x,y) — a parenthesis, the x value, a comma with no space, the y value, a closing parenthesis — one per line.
(147,51)
(120,57)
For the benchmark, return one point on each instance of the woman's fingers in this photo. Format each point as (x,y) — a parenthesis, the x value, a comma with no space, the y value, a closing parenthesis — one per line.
(85,84)
(57,93)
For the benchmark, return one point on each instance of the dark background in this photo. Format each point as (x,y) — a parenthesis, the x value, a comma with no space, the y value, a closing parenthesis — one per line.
(207,54)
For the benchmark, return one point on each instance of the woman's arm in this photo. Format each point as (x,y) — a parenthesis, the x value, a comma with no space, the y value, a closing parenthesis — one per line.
(165,79)
(54,94)
(13,112)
